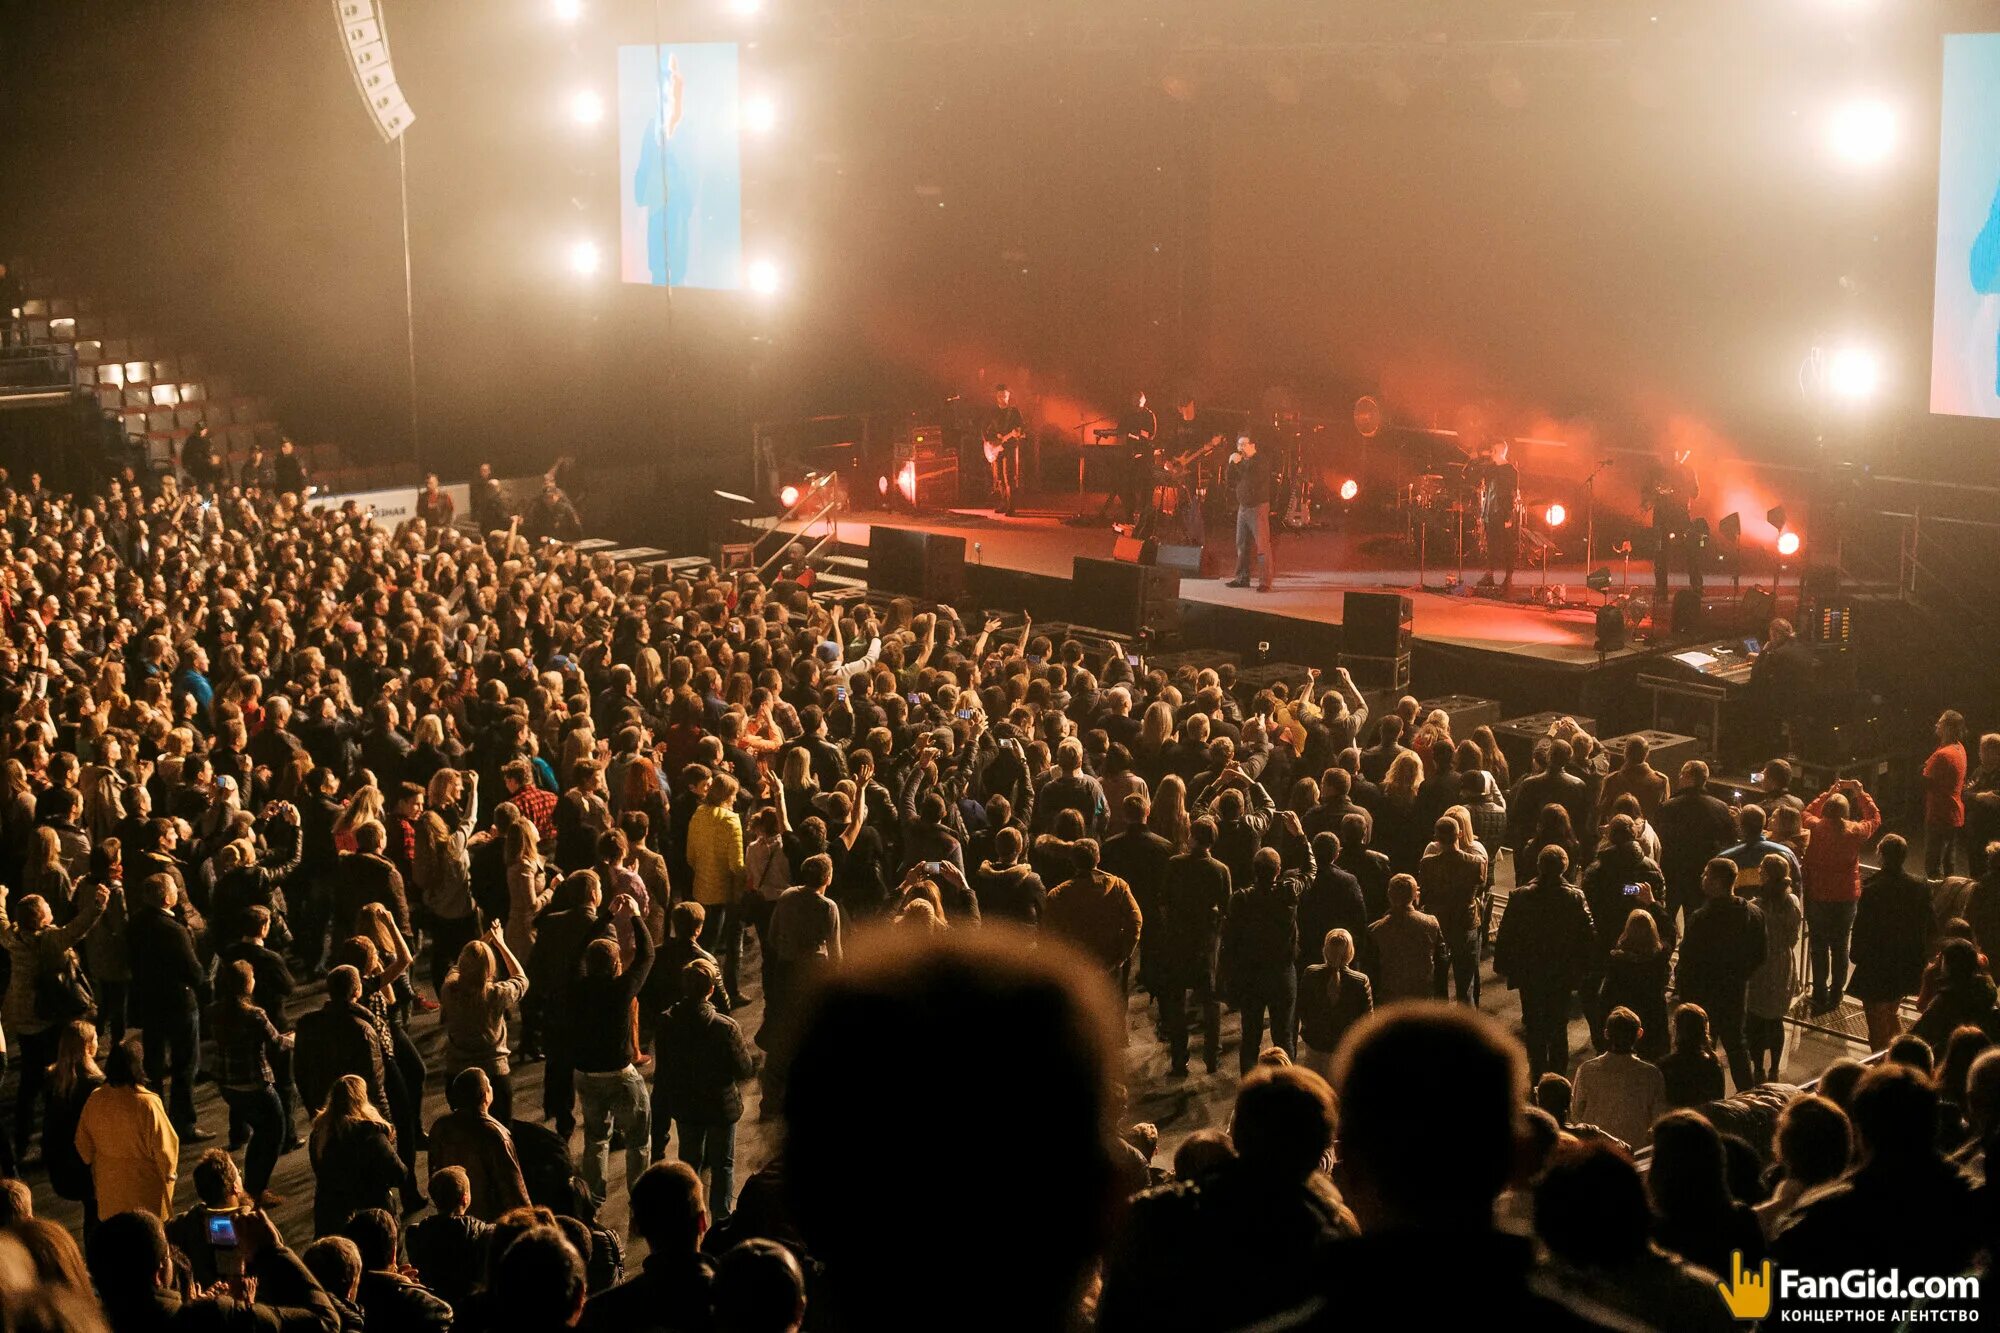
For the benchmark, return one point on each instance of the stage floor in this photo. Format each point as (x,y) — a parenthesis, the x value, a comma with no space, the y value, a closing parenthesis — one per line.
(1314,569)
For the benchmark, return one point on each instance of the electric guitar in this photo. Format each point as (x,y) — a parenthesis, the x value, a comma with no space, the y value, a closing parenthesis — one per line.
(997,445)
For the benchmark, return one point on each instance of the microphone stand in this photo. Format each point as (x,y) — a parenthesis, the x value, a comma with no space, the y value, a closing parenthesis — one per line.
(1590,515)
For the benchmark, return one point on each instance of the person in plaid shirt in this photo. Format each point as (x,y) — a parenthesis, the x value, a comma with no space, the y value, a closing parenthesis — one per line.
(534,802)
(244,1040)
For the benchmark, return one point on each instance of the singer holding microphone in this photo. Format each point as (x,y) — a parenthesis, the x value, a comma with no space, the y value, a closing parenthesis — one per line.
(1250,473)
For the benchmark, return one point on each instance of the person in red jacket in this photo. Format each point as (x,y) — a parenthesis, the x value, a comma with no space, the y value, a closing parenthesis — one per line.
(1944,796)
(1840,822)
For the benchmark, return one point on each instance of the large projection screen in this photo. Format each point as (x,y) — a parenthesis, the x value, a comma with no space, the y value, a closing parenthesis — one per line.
(680,166)
(1965,318)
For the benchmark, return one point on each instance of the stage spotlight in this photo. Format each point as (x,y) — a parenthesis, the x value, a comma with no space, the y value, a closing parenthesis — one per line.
(1349,489)
(1556,516)
(788,496)
(1788,544)
(585,258)
(1862,131)
(760,115)
(586,106)
(882,484)
(1776,516)
(762,277)
(569,11)
(745,8)
(1731,528)
(1853,374)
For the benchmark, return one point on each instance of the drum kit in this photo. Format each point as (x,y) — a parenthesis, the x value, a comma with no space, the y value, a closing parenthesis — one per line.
(1443,506)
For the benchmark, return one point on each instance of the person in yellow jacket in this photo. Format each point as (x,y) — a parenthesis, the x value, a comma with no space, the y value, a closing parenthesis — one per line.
(715,854)
(125,1139)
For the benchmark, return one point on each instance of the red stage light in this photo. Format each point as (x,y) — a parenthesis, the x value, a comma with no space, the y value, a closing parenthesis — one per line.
(882,483)
(1557,516)
(1349,489)
(1788,543)
(789,496)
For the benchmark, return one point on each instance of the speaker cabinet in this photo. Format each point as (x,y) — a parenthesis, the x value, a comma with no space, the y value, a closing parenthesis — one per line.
(1186,560)
(1125,598)
(1375,624)
(919,564)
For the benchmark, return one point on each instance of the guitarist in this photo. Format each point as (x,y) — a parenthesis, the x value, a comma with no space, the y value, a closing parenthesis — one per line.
(1671,495)
(1001,438)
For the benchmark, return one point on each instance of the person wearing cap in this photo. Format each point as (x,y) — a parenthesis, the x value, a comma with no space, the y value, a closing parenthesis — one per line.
(832,669)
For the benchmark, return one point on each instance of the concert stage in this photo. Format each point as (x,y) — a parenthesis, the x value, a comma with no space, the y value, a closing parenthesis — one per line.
(1529,656)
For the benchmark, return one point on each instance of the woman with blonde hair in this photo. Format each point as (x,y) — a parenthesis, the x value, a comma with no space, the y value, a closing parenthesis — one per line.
(1169,817)
(364,806)
(482,985)
(17,819)
(527,884)
(46,876)
(1403,819)
(353,1155)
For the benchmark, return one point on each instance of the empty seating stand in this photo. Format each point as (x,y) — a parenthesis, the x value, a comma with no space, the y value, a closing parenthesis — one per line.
(158,392)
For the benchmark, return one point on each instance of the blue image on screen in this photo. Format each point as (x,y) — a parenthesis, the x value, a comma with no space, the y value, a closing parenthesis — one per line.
(680,166)
(1965,318)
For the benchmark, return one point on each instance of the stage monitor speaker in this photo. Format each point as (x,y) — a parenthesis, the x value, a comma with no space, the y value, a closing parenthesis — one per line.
(1375,624)
(1184,559)
(1610,628)
(1465,711)
(1125,598)
(1688,618)
(1133,551)
(1518,736)
(1758,608)
(916,563)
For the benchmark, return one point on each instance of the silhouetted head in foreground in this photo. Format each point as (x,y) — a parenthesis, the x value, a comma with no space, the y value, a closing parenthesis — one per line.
(1413,1076)
(998,1043)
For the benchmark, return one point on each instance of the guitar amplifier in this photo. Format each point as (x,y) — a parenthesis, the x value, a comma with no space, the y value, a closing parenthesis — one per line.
(927,469)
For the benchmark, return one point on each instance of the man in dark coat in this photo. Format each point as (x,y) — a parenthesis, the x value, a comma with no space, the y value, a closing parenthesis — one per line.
(1139,856)
(671,1291)
(1892,941)
(169,991)
(1694,825)
(1555,784)
(1182,938)
(339,1038)
(366,876)
(1245,1241)
(700,1058)
(1332,901)
(1545,949)
(1260,950)
(1723,945)
(391,1301)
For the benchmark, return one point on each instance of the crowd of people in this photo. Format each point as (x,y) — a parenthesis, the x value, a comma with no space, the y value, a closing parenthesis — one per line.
(282,790)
